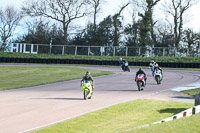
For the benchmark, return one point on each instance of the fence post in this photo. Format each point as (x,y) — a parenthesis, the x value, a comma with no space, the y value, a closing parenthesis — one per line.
(114,51)
(139,52)
(88,51)
(63,50)
(175,51)
(76,50)
(163,51)
(126,51)
(37,48)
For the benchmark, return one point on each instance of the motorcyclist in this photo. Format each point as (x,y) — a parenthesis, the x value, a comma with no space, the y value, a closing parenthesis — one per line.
(88,77)
(122,62)
(152,66)
(157,67)
(153,63)
(140,71)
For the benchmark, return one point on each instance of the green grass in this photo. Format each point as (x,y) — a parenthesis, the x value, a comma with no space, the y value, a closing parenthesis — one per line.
(18,77)
(192,92)
(119,118)
(114,58)
(183,125)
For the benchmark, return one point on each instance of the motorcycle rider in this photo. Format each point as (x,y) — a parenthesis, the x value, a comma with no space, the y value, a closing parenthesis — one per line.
(140,71)
(153,63)
(152,66)
(157,67)
(88,77)
(122,62)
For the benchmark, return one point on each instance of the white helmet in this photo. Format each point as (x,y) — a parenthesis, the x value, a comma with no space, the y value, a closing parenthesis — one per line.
(120,59)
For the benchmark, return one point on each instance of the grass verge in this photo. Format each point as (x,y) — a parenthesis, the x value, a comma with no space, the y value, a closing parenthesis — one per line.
(192,92)
(113,58)
(121,117)
(22,76)
(183,125)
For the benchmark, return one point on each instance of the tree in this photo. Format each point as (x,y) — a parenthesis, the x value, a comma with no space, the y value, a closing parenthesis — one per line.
(62,11)
(102,36)
(9,20)
(177,8)
(191,39)
(117,24)
(146,29)
(96,7)
(132,33)
(164,34)
(41,32)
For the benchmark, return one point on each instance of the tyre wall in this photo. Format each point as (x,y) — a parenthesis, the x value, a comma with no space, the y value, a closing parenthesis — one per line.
(94,62)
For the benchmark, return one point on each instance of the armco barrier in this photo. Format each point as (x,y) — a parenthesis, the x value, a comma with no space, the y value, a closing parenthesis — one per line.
(94,62)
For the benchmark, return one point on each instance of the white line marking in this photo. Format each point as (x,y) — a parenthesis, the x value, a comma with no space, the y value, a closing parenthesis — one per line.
(187,87)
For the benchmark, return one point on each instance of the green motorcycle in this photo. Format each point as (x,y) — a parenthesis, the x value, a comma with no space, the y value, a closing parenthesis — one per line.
(87,89)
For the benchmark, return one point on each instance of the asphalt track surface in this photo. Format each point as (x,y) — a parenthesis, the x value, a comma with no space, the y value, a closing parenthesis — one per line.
(33,108)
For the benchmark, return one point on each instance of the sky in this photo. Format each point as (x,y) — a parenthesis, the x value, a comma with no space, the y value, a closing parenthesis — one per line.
(113,6)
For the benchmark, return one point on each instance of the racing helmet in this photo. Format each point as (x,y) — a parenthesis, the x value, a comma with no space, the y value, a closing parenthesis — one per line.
(140,69)
(120,59)
(87,73)
(152,61)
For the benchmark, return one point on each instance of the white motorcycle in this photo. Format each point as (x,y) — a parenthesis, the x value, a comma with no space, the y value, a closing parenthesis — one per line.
(158,76)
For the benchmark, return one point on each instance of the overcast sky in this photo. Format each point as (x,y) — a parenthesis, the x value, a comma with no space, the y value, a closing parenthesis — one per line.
(113,6)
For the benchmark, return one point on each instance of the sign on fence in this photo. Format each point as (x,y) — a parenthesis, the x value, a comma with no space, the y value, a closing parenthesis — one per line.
(24,48)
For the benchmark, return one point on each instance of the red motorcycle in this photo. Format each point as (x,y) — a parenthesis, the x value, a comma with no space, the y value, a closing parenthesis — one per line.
(140,79)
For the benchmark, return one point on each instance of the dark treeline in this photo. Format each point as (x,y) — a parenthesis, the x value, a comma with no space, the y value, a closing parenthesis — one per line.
(50,21)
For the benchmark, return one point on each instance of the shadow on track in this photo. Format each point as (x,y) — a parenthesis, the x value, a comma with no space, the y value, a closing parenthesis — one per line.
(118,90)
(60,98)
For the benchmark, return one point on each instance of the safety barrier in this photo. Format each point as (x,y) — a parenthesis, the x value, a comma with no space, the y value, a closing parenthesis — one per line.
(94,62)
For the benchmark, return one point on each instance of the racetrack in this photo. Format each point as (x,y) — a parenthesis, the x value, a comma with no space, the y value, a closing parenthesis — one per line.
(27,109)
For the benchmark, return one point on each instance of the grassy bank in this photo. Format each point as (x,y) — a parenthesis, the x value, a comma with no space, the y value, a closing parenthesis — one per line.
(113,58)
(121,117)
(19,77)
(192,92)
(184,125)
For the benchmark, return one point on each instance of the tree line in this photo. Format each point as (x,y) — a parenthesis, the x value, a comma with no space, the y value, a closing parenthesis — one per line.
(51,21)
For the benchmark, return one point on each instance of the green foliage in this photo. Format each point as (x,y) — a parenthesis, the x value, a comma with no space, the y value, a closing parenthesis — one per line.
(119,118)
(132,34)
(102,34)
(41,32)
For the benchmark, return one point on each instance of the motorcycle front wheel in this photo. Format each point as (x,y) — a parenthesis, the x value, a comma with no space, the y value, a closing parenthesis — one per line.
(139,86)
(86,91)
(157,80)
